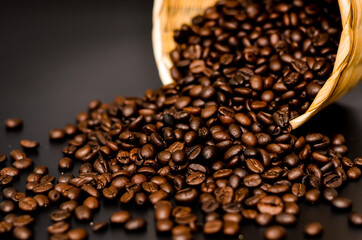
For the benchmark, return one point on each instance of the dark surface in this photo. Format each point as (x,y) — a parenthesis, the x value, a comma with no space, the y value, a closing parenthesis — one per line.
(56,56)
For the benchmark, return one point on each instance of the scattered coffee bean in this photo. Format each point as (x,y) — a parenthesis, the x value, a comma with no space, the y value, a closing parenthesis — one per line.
(313,229)
(120,217)
(56,134)
(29,144)
(342,203)
(77,234)
(135,224)
(275,233)
(14,123)
(355,219)
(100,226)
(22,233)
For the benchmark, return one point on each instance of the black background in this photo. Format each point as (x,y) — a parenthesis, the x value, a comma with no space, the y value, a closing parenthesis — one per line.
(56,56)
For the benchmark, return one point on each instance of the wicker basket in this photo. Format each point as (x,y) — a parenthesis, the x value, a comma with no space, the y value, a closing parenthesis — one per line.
(169,15)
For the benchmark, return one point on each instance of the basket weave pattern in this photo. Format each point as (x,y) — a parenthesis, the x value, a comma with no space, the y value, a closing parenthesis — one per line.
(169,15)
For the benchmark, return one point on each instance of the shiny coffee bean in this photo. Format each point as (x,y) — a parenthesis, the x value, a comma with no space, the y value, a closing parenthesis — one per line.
(313,229)
(135,224)
(13,123)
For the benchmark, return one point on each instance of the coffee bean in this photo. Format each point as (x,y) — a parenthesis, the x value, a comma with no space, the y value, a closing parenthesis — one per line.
(270,204)
(286,219)
(135,224)
(312,195)
(17,154)
(65,163)
(254,165)
(342,203)
(275,233)
(91,202)
(23,220)
(42,200)
(313,229)
(162,210)
(5,227)
(13,123)
(77,234)
(120,217)
(56,134)
(354,173)
(230,228)
(355,219)
(22,233)
(29,144)
(83,213)
(186,196)
(70,129)
(264,219)
(59,227)
(298,189)
(2,158)
(100,226)
(7,206)
(27,204)
(59,215)
(23,164)
(329,194)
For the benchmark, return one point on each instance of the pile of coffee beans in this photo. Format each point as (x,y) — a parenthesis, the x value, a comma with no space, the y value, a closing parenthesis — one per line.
(217,141)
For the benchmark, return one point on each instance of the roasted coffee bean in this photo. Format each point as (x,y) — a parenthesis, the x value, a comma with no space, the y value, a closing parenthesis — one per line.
(23,164)
(163,210)
(27,204)
(23,220)
(252,180)
(186,196)
(254,165)
(270,204)
(2,158)
(213,227)
(313,229)
(7,206)
(286,219)
(354,173)
(65,163)
(312,195)
(298,189)
(230,228)
(13,123)
(17,154)
(264,219)
(22,233)
(120,217)
(83,213)
(275,233)
(135,224)
(77,234)
(59,227)
(330,194)
(29,144)
(69,205)
(341,203)
(54,195)
(59,215)
(100,226)
(91,202)
(42,200)
(5,227)
(56,134)
(355,219)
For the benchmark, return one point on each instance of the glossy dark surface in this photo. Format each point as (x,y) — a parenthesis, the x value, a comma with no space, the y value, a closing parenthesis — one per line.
(57,56)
